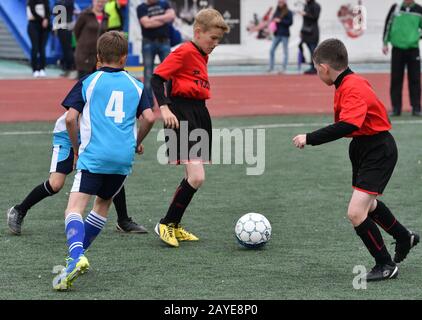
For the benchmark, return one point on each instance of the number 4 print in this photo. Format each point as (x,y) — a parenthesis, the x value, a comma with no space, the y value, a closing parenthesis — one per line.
(115,107)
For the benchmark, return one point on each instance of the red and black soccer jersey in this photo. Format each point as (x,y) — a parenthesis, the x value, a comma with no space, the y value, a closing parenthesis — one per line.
(358,113)
(186,68)
(356,103)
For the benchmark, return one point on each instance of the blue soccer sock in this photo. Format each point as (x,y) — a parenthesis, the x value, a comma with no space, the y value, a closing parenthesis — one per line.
(93,224)
(75,234)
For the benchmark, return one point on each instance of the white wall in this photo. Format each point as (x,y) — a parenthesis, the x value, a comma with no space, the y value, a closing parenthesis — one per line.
(365,48)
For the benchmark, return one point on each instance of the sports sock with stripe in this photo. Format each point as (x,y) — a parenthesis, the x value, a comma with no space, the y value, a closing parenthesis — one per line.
(93,224)
(75,233)
(119,202)
(181,200)
(372,238)
(386,220)
(37,194)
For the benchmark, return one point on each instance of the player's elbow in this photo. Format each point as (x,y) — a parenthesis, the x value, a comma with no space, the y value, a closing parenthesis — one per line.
(149,118)
(70,121)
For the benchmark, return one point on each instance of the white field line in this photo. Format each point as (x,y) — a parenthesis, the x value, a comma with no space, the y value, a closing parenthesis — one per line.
(256,126)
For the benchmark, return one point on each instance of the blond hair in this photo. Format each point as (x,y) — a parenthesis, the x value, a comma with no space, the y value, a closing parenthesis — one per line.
(112,46)
(207,19)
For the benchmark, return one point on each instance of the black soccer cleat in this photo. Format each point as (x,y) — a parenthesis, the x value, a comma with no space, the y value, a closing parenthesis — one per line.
(403,247)
(130,226)
(15,220)
(383,272)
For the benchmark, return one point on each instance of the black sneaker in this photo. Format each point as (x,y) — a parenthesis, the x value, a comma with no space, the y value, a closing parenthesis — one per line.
(383,272)
(403,247)
(394,114)
(130,226)
(416,113)
(15,220)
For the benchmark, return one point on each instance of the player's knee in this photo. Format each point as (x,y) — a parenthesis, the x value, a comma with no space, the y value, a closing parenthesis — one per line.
(356,217)
(373,206)
(56,185)
(196,181)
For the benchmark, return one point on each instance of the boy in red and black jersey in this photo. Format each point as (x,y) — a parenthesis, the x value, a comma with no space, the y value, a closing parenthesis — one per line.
(360,115)
(184,112)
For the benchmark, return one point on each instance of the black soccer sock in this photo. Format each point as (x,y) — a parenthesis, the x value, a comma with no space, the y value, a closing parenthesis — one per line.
(181,200)
(372,238)
(386,220)
(36,195)
(119,201)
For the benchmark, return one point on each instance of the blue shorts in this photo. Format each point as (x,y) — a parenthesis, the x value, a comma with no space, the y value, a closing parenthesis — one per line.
(105,186)
(62,159)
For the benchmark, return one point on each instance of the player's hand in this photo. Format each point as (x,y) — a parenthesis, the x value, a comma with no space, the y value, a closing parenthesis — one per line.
(140,149)
(385,50)
(300,141)
(170,120)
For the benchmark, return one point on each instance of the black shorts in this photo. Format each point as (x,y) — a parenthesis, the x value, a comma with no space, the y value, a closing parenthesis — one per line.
(191,143)
(373,161)
(105,186)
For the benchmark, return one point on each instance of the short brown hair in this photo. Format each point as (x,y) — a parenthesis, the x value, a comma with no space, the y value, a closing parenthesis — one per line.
(210,18)
(332,52)
(112,46)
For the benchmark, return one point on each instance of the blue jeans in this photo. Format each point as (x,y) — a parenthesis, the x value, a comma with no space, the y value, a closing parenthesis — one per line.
(311,46)
(150,48)
(276,41)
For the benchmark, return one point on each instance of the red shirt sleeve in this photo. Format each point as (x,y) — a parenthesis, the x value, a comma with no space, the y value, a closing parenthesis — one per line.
(171,65)
(353,108)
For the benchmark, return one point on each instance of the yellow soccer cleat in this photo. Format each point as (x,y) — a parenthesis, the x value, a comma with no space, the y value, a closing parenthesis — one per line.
(74,269)
(183,235)
(166,233)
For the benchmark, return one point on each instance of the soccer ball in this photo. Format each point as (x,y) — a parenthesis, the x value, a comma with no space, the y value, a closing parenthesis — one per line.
(253,230)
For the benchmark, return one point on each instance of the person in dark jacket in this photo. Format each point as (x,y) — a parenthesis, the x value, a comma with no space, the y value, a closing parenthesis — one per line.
(64,33)
(38,14)
(91,24)
(309,33)
(402,29)
(283,19)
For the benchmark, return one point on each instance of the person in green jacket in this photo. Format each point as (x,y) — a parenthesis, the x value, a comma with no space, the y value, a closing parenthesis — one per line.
(115,18)
(403,30)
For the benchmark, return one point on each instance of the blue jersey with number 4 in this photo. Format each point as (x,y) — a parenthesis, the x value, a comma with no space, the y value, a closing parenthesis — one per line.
(110,100)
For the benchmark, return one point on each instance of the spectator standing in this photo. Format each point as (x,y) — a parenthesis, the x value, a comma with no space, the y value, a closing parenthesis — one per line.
(402,29)
(282,19)
(91,24)
(115,18)
(38,14)
(154,17)
(309,33)
(64,33)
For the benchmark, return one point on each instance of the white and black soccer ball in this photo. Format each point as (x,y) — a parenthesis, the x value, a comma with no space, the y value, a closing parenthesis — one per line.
(253,230)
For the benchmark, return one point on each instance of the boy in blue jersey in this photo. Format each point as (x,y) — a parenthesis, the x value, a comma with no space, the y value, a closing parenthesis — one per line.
(61,166)
(109,101)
